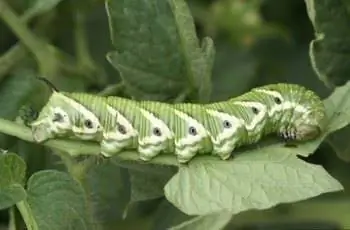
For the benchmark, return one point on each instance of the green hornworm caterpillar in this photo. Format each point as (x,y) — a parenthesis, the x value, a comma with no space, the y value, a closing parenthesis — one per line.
(184,129)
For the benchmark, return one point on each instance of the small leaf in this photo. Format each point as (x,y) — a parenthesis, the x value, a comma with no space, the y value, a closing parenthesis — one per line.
(213,221)
(329,50)
(56,201)
(338,108)
(11,195)
(250,181)
(199,60)
(156,45)
(234,71)
(339,143)
(146,187)
(108,191)
(12,175)
(167,216)
(12,169)
(16,90)
(148,181)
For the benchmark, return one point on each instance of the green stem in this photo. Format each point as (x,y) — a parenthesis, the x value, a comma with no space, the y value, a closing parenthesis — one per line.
(81,44)
(67,160)
(18,51)
(10,58)
(86,65)
(182,96)
(27,216)
(112,90)
(12,221)
(14,54)
(40,49)
(76,148)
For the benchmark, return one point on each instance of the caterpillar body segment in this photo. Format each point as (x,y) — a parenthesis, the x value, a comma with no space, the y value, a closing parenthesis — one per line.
(87,127)
(230,131)
(156,129)
(124,134)
(183,129)
(193,131)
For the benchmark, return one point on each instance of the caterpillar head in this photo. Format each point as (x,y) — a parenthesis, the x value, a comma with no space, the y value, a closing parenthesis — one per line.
(300,111)
(311,124)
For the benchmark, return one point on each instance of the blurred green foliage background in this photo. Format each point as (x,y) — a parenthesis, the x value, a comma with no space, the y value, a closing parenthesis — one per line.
(257,42)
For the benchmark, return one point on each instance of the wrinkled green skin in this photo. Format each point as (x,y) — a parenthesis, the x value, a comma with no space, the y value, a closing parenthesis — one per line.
(152,128)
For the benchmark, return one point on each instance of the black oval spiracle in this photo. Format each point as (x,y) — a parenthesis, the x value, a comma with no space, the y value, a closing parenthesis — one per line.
(57,117)
(121,128)
(227,124)
(88,123)
(192,130)
(157,132)
(277,100)
(255,110)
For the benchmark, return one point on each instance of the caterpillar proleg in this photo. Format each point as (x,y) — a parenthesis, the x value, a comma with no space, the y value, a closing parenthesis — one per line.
(183,129)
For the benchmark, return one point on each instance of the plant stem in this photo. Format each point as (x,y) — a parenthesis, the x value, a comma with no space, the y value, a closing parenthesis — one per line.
(12,221)
(182,96)
(112,90)
(27,216)
(81,44)
(85,63)
(10,58)
(40,49)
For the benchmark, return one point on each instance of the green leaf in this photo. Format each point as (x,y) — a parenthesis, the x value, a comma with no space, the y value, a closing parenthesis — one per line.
(146,187)
(234,71)
(251,181)
(339,143)
(16,90)
(213,221)
(55,201)
(167,216)
(148,181)
(156,45)
(11,195)
(329,50)
(339,112)
(12,171)
(338,108)
(108,191)
(199,60)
